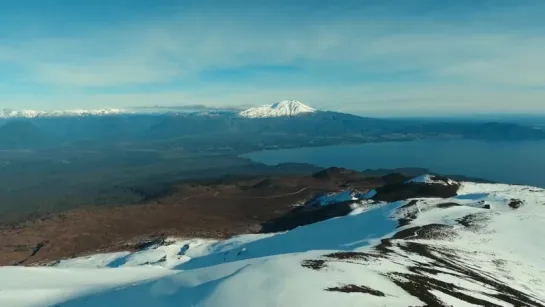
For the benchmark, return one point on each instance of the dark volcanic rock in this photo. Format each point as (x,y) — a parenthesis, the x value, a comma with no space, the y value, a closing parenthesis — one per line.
(394,178)
(147,242)
(516,203)
(427,232)
(301,216)
(447,205)
(352,256)
(335,172)
(314,264)
(473,221)
(356,289)
(402,191)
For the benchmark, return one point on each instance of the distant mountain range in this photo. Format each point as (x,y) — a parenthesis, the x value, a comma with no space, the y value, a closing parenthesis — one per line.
(279,109)
(7,113)
(284,124)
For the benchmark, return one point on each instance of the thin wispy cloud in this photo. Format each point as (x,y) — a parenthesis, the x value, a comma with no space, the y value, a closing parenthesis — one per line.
(422,58)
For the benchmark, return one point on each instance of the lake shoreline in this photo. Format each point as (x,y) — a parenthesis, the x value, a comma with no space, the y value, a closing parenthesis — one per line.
(513,162)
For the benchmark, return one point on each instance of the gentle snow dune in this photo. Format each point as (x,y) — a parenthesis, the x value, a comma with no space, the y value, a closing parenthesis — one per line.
(20,286)
(469,250)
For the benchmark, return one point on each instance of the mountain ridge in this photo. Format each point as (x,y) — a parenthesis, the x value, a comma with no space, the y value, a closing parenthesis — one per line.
(453,250)
(7,113)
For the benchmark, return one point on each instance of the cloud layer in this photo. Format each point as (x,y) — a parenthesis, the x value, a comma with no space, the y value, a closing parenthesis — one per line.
(352,57)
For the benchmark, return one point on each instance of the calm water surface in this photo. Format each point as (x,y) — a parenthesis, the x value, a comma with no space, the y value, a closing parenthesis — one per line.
(510,162)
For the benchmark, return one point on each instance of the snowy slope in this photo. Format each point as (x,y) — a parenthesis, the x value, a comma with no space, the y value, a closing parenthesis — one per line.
(279,109)
(429,179)
(482,247)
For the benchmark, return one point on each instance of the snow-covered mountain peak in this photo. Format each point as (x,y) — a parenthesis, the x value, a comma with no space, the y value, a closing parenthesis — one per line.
(278,109)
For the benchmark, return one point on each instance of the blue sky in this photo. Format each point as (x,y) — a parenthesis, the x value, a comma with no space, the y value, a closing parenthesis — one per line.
(405,57)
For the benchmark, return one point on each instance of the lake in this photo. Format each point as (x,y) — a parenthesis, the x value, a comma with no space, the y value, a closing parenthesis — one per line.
(521,162)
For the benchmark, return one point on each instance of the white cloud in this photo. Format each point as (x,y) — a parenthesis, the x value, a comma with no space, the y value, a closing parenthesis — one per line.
(103,74)
(460,63)
(522,65)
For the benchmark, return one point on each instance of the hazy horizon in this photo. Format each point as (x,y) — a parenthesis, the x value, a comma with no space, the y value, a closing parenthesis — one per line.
(511,116)
(422,58)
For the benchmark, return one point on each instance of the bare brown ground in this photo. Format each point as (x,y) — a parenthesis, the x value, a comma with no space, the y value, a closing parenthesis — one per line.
(216,210)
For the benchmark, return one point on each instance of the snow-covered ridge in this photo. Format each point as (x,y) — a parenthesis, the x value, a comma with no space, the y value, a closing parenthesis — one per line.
(108,112)
(430,179)
(279,109)
(481,247)
(78,112)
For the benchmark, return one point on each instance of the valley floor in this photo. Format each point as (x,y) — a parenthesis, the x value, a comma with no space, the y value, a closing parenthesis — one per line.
(215,210)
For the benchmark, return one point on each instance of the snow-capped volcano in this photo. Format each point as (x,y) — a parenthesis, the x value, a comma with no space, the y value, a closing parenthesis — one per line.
(7,113)
(279,109)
